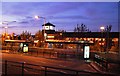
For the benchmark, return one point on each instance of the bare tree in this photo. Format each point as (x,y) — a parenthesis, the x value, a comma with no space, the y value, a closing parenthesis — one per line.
(25,35)
(39,36)
(108,39)
(108,28)
(81,28)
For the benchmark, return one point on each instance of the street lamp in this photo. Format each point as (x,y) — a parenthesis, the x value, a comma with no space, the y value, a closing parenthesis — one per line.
(102,28)
(5,27)
(6,30)
(1,23)
(38,17)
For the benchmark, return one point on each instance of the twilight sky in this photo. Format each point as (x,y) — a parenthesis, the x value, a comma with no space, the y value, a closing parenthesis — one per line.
(65,15)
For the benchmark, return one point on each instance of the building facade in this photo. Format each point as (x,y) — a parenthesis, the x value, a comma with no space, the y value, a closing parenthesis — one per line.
(103,41)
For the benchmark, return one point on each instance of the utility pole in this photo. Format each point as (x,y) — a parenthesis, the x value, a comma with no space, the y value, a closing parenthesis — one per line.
(119,45)
(119,27)
(108,29)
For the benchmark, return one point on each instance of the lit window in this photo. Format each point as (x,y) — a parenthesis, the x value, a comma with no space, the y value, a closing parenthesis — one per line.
(46,27)
(103,39)
(51,27)
(60,33)
(96,38)
(99,39)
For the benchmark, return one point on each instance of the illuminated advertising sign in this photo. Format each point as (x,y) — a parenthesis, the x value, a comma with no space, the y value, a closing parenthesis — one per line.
(21,45)
(86,52)
(25,48)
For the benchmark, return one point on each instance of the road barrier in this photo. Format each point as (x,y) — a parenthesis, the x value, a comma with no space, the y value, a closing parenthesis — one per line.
(107,64)
(102,62)
(46,70)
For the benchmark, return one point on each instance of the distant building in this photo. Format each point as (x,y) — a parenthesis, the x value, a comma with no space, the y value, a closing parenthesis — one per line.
(100,39)
(49,28)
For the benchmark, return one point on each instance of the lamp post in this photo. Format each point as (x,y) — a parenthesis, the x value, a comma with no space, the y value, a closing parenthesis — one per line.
(1,23)
(38,17)
(102,28)
(5,29)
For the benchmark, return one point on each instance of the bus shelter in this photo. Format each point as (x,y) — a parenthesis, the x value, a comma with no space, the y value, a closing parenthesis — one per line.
(23,45)
(85,46)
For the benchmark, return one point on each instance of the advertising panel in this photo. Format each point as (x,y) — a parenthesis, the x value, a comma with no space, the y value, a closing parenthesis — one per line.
(25,48)
(86,52)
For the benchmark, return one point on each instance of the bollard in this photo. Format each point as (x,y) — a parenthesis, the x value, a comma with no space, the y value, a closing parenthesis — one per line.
(37,52)
(77,73)
(106,65)
(43,53)
(31,52)
(5,67)
(50,54)
(65,55)
(58,55)
(22,69)
(45,71)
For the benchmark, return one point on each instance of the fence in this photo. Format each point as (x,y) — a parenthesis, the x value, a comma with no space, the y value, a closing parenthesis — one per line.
(49,53)
(43,70)
(106,63)
(101,62)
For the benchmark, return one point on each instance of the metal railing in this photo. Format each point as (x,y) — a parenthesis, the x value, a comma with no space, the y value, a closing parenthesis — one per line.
(48,53)
(102,62)
(46,70)
(107,64)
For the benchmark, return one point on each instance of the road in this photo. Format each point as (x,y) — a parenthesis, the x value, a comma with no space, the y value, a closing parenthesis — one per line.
(70,64)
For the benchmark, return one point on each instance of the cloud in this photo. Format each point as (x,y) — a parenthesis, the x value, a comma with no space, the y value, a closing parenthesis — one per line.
(62,7)
(70,17)
(41,8)
(60,13)
(24,22)
(29,17)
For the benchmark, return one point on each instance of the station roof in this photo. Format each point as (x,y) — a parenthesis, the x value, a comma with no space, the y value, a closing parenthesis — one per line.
(70,42)
(18,41)
(49,24)
(91,34)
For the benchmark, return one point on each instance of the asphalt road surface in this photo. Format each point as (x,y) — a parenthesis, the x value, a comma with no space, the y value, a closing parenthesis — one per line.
(69,64)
